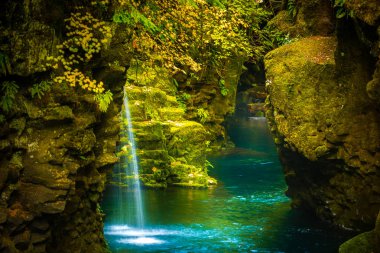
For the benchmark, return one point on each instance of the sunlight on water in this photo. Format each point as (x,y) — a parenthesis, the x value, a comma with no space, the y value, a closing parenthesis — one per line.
(247,212)
(141,241)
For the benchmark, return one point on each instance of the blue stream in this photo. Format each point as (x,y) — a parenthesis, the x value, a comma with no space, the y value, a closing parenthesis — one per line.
(246,212)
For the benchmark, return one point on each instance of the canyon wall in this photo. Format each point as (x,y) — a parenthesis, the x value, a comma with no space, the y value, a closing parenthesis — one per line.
(323,109)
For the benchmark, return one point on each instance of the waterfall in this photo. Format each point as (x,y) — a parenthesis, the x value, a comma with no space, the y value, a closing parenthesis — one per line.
(132,169)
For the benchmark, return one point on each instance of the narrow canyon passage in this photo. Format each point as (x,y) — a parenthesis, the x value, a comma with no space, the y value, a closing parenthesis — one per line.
(246,212)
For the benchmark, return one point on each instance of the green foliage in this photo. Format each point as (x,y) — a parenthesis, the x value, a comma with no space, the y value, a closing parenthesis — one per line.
(2,118)
(4,64)
(182,99)
(195,36)
(341,10)
(218,3)
(39,89)
(175,82)
(122,17)
(202,115)
(132,17)
(223,90)
(292,8)
(208,164)
(9,90)
(104,100)
(191,3)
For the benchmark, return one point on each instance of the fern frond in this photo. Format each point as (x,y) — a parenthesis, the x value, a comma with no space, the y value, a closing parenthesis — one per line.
(104,100)
(10,90)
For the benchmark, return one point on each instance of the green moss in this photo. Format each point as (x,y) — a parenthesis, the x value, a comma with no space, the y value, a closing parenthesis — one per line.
(297,74)
(368,11)
(362,243)
(58,113)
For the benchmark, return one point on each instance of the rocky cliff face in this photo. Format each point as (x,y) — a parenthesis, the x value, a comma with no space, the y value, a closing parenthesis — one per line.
(54,162)
(326,120)
(55,148)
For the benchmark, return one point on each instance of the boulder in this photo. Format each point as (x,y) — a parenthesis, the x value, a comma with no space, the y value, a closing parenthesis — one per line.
(327,130)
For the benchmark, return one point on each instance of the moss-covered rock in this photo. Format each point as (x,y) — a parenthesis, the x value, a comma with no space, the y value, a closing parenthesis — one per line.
(171,149)
(327,129)
(306,18)
(365,242)
(368,11)
(55,149)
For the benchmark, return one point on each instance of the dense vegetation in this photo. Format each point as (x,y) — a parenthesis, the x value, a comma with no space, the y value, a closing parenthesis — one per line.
(191,37)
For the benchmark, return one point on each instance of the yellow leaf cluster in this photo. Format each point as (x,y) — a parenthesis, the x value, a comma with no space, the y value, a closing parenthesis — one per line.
(86,35)
(193,35)
(100,2)
(77,78)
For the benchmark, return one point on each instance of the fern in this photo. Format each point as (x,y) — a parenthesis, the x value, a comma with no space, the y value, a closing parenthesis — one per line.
(134,17)
(292,8)
(341,11)
(104,100)
(122,17)
(208,164)
(148,25)
(39,89)
(4,64)
(9,90)
(175,82)
(202,114)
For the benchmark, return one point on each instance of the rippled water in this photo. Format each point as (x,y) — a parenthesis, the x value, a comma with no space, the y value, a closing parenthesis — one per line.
(246,212)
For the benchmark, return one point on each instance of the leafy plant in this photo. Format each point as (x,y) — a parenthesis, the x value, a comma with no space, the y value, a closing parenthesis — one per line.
(104,100)
(223,90)
(202,115)
(195,36)
(292,8)
(122,17)
(39,89)
(4,64)
(182,99)
(2,118)
(341,10)
(175,82)
(132,17)
(9,89)
(208,164)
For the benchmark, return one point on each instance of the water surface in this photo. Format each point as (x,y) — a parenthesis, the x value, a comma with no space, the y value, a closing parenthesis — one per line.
(246,212)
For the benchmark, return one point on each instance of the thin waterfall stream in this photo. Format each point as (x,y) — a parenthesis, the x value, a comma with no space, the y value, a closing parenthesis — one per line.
(132,169)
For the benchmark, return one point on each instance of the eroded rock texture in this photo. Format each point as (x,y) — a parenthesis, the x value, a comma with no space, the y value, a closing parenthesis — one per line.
(324,110)
(55,150)
(327,129)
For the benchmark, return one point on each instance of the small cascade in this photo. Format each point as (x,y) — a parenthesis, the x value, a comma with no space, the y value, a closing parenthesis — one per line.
(132,168)
(125,222)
